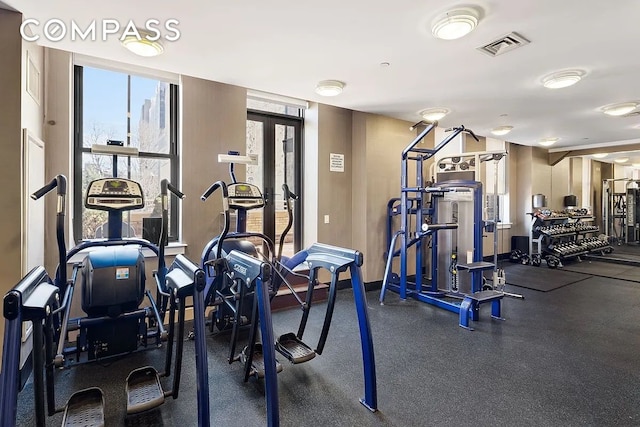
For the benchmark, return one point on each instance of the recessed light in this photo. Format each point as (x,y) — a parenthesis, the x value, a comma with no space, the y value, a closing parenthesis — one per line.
(455,23)
(562,79)
(621,160)
(141,44)
(600,155)
(433,114)
(501,130)
(329,88)
(546,142)
(620,109)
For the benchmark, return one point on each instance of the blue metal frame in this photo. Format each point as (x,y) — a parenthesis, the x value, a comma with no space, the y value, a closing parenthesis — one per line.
(32,299)
(413,202)
(336,260)
(253,272)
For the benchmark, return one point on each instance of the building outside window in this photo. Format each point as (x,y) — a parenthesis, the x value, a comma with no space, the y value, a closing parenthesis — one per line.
(140,112)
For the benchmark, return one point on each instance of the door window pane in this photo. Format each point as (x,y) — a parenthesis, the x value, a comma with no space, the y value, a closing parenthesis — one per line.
(285,173)
(255,145)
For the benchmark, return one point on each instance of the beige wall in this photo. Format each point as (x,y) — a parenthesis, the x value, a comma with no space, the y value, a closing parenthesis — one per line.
(10,141)
(575,177)
(334,188)
(214,117)
(560,186)
(58,134)
(378,142)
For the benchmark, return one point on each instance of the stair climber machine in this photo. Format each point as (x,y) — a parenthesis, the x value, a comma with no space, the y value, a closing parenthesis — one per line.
(444,214)
(110,283)
(241,281)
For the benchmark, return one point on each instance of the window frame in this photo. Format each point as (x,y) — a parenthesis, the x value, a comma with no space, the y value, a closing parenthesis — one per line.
(79,149)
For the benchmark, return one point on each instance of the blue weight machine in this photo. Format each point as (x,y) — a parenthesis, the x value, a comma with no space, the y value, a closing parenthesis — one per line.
(426,211)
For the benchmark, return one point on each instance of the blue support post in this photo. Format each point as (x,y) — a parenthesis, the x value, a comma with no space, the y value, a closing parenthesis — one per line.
(202,367)
(370,399)
(404,227)
(268,348)
(11,361)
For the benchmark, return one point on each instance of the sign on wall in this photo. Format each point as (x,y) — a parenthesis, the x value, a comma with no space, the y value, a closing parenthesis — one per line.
(336,162)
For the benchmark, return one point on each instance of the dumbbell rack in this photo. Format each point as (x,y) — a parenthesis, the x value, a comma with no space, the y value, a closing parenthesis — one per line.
(561,236)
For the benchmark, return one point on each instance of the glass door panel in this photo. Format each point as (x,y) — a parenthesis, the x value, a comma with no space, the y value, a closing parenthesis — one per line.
(276,141)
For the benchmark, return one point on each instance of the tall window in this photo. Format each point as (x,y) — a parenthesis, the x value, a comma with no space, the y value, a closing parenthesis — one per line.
(142,113)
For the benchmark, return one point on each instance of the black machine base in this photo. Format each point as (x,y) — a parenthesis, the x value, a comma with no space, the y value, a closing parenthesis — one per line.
(257,361)
(85,408)
(293,349)
(112,338)
(144,390)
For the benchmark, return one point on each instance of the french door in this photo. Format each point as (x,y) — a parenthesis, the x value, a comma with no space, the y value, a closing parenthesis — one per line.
(276,140)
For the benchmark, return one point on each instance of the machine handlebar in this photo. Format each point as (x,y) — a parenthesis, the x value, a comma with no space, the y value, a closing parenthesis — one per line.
(214,187)
(436,227)
(287,193)
(461,128)
(59,182)
(166,185)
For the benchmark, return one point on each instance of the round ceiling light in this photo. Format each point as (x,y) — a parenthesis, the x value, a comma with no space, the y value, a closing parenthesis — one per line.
(600,155)
(501,130)
(142,45)
(620,109)
(329,88)
(455,23)
(547,142)
(621,160)
(562,79)
(433,114)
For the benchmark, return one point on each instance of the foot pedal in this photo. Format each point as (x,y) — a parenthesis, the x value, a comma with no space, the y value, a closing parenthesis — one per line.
(294,349)
(84,408)
(257,362)
(144,391)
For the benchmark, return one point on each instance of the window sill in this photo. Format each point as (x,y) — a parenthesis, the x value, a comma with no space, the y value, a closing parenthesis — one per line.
(173,249)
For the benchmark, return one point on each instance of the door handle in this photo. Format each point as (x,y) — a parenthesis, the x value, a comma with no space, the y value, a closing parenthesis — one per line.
(266,196)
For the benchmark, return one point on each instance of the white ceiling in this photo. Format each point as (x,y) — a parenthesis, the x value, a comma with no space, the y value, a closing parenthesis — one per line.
(286,47)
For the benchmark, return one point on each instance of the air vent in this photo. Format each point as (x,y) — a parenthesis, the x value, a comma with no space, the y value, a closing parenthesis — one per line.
(504,44)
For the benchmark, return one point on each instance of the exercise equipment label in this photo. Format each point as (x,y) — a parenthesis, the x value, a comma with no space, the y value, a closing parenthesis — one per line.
(122,273)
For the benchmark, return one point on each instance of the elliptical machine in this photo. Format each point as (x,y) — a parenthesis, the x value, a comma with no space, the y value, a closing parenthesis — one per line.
(241,287)
(111,283)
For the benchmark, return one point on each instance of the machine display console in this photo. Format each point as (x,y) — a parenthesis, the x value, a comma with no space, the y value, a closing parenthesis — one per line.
(114,194)
(245,196)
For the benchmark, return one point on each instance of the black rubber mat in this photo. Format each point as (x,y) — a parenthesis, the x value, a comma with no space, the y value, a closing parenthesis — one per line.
(605,269)
(541,278)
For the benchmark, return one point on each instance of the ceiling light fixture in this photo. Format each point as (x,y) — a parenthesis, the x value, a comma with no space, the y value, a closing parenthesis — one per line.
(547,142)
(636,165)
(433,114)
(600,155)
(562,79)
(501,130)
(455,23)
(329,88)
(621,160)
(620,109)
(141,44)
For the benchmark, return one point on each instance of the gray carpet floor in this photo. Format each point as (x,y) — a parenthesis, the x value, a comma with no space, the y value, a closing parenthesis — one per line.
(569,357)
